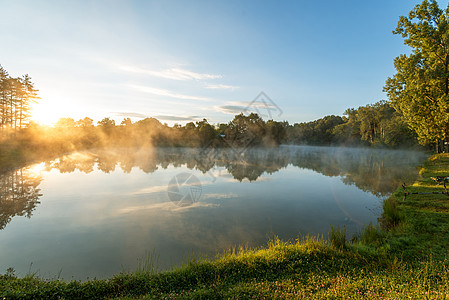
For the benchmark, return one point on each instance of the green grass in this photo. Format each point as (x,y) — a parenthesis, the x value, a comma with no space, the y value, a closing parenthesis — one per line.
(405,258)
(337,237)
(424,228)
(309,268)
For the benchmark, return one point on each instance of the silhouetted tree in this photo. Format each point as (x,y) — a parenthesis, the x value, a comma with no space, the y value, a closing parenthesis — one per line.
(16,95)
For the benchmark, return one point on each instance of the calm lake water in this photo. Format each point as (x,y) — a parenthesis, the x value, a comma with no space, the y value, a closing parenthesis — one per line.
(95,213)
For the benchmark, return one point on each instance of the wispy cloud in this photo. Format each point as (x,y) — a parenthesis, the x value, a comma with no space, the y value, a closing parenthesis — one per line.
(177,118)
(219,196)
(166,93)
(159,117)
(230,109)
(151,190)
(168,206)
(220,87)
(157,189)
(172,73)
(263,109)
(129,115)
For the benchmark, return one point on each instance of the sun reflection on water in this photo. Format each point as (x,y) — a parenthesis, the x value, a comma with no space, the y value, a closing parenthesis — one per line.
(36,169)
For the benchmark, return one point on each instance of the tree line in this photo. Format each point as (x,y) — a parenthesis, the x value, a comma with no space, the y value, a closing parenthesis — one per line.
(376,124)
(242,132)
(371,125)
(16,95)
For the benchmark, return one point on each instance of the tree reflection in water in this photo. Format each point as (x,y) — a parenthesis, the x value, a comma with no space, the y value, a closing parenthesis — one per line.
(19,194)
(371,170)
(376,171)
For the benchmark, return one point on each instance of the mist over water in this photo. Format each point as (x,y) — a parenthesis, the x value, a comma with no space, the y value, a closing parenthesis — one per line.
(95,213)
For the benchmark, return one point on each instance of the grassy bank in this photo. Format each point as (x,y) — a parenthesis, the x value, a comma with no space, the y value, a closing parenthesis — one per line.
(407,258)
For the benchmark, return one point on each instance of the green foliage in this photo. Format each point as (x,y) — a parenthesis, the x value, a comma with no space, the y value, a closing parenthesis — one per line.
(381,125)
(337,237)
(319,132)
(371,125)
(391,215)
(371,235)
(424,223)
(206,133)
(308,268)
(244,131)
(420,88)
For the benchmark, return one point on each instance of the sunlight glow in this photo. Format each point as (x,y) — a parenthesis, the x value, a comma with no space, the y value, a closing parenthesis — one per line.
(36,169)
(48,113)
(44,114)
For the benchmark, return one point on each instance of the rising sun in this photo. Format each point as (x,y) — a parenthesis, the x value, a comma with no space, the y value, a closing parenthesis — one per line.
(46,113)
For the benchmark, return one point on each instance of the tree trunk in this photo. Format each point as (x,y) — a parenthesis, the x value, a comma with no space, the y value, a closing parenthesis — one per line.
(21,114)
(445,145)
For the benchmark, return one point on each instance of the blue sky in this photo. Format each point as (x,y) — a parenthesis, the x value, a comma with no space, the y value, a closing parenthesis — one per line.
(187,60)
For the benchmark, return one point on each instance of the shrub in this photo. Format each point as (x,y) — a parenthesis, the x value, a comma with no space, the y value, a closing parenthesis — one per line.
(371,234)
(337,237)
(391,215)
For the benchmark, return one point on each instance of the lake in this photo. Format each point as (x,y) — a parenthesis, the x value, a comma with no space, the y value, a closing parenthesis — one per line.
(96,213)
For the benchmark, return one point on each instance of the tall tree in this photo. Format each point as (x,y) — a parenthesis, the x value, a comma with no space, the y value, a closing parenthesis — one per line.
(16,95)
(420,88)
(28,96)
(4,88)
